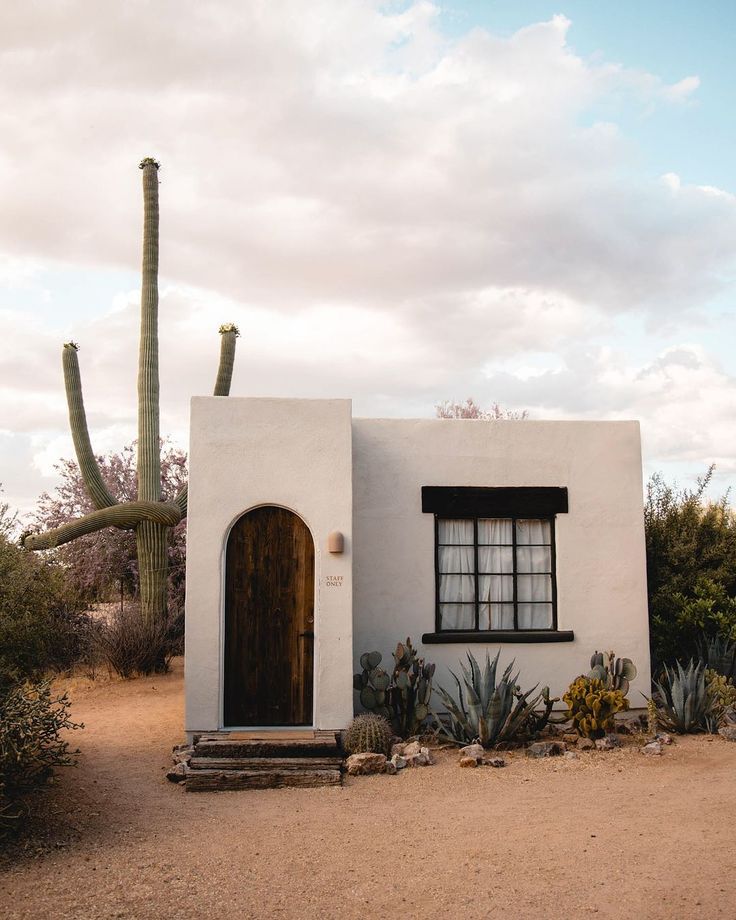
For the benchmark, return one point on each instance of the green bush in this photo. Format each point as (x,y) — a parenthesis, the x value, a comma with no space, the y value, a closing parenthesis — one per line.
(31,720)
(691,568)
(41,625)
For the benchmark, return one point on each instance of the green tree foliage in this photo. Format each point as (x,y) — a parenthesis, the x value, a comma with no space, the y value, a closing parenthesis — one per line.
(691,567)
(41,628)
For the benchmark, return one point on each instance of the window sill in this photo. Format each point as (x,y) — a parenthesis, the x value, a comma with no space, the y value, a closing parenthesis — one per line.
(499,635)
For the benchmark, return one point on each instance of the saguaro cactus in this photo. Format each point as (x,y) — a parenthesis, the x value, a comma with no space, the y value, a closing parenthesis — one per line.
(151,518)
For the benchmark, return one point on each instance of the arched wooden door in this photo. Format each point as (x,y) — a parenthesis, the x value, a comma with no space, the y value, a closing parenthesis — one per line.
(269,620)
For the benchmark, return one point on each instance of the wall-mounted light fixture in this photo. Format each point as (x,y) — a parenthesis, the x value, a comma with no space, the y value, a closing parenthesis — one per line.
(335,542)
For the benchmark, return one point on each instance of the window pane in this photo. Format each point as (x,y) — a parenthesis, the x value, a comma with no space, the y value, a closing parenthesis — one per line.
(496,559)
(496,616)
(457,588)
(455,532)
(457,616)
(456,559)
(533,532)
(534,587)
(495,531)
(533,559)
(535,616)
(495,588)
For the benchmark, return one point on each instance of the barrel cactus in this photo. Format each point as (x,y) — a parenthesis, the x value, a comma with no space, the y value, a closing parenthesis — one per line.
(368,734)
(150,518)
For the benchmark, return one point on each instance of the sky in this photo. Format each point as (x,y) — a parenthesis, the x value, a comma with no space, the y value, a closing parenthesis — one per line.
(530,203)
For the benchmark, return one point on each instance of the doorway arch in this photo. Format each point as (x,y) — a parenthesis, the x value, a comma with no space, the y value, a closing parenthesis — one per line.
(269,620)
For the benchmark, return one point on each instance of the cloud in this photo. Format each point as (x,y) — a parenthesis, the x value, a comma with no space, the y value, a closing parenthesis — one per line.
(388,213)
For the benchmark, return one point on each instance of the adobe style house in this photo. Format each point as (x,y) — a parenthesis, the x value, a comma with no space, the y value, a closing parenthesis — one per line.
(315,536)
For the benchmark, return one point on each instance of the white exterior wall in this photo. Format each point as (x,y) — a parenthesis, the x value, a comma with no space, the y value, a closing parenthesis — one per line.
(601,569)
(250,452)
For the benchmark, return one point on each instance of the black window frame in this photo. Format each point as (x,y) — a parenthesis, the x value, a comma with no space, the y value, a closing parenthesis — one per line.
(513,574)
(484,503)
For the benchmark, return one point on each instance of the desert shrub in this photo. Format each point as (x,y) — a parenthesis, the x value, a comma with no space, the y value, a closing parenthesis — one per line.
(31,722)
(41,625)
(723,693)
(130,645)
(592,706)
(691,568)
(685,704)
(493,712)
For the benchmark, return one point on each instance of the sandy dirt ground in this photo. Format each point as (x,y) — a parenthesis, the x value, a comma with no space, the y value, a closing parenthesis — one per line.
(609,834)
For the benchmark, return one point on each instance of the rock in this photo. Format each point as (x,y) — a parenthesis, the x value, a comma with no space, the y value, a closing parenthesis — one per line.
(469,762)
(364,764)
(177,773)
(182,753)
(728,732)
(494,761)
(570,755)
(629,727)
(473,750)
(586,744)
(391,768)
(398,749)
(421,759)
(571,738)
(545,749)
(607,743)
(663,738)
(398,761)
(654,747)
(413,747)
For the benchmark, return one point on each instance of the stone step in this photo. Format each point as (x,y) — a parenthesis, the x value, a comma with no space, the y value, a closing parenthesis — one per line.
(221,780)
(261,747)
(265,763)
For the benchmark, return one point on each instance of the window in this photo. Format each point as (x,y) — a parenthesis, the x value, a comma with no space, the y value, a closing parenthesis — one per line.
(495,573)
(495,563)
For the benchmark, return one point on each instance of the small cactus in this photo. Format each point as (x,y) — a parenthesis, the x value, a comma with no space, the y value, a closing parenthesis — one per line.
(652,718)
(368,734)
(593,706)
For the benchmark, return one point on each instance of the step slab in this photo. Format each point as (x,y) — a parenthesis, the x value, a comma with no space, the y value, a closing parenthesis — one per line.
(262,747)
(223,780)
(265,763)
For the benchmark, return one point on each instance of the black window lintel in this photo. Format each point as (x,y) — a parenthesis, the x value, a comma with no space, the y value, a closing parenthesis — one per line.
(502,501)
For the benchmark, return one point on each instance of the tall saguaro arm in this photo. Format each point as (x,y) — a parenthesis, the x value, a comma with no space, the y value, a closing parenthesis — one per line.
(229,333)
(151,518)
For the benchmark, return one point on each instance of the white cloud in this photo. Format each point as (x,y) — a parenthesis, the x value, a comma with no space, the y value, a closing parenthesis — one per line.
(388,213)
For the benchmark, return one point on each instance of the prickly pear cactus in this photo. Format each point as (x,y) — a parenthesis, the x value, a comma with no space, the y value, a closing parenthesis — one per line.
(410,690)
(615,673)
(593,707)
(403,697)
(368,734)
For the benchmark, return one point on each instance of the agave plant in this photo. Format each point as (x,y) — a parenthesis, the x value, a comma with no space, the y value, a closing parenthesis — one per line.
(684,702)
(489,711)
(719,654)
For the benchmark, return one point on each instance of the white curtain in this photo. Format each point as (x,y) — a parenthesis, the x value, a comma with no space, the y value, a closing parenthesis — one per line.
(534,579)
(456,560)
(456,555)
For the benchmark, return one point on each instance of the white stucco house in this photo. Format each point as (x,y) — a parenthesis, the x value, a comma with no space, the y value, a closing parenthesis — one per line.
(314,536)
